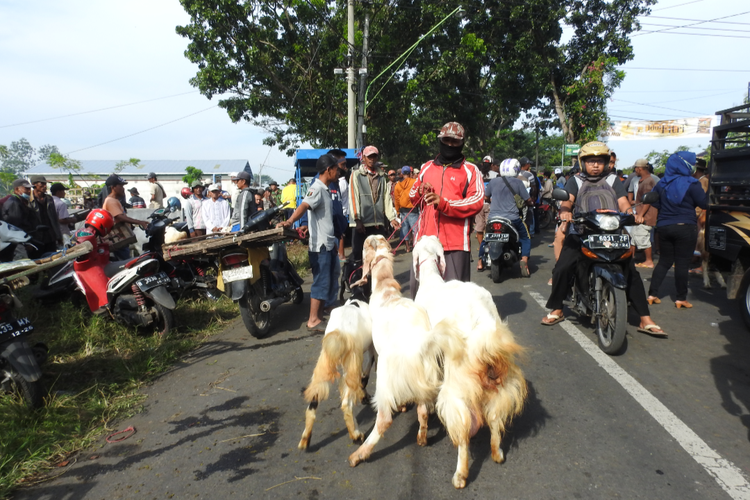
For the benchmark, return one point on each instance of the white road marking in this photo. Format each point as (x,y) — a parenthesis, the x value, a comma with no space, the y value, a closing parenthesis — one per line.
(726,474)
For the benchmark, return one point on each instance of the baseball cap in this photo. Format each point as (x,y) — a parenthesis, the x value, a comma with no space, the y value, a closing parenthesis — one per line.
(700,164)
(21,182)
(115,180)
(233,176)
(406,169)
(523,161)
(640,163)
(558,171)
(391,171)
(214,187)
(196,184)
(244,175)
(370,150)
(151,175)
(487,159)
(57,186)
(453,130)
(37,178)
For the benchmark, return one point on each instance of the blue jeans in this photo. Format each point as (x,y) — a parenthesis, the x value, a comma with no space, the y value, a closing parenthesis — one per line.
(408,222)
(523,236)
(326,270)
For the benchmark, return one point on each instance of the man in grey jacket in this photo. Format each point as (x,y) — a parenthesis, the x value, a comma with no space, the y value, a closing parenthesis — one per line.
(244,204)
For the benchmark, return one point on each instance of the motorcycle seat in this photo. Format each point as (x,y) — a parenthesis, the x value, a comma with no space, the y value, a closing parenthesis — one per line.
(115,267)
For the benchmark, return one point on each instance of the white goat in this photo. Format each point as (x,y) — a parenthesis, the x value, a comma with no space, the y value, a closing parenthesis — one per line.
(171,235)
(484,385)
(347,344)
(408,347)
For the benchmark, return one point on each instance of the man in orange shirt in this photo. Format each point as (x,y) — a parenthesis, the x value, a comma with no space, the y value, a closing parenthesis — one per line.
(404,206)
(116,185)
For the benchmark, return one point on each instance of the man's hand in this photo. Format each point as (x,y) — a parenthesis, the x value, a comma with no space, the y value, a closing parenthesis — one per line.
(432,198)
(566,216)
(285,223)
(143,224)
(302,230)
(395,224)
(360,226)
(425,188)
(216,230)
(638,219)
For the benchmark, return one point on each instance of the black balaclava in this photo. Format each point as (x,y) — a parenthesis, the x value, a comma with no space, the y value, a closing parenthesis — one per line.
(450,153)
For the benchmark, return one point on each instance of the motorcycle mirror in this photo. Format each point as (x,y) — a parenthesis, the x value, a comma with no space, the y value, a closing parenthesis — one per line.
(650,198)
(560,194)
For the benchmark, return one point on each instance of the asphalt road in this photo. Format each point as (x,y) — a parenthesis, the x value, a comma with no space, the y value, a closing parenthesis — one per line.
(668,418)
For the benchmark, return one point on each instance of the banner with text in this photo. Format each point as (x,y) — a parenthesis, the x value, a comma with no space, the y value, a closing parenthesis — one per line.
(684,128)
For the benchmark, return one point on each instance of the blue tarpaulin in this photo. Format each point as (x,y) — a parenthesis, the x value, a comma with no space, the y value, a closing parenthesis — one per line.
(305,159)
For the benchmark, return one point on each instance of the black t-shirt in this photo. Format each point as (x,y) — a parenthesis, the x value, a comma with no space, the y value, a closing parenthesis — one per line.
(572,187)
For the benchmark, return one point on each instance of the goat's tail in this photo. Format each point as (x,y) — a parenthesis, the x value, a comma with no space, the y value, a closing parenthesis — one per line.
(338,349)
(450,341)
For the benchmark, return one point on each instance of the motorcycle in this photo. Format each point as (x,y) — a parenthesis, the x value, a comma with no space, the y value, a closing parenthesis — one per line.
(19,362)
(599,285)
(133,292)
(502,247)
(545,215)
(259,278)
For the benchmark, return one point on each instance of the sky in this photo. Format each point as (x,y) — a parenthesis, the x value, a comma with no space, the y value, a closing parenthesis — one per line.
(62,58)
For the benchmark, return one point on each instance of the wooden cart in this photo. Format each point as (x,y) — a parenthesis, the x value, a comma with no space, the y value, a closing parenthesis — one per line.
(215,243)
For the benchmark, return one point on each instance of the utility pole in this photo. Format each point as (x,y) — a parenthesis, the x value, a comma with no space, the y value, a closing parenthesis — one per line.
(362,83)
(350,80)
(536,155)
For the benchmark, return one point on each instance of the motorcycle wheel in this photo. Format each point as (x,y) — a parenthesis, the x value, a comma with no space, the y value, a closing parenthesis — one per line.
(258,324)
(298,295)
(32,392)
(612,320)
(545,219)
(164,321)
(496,271)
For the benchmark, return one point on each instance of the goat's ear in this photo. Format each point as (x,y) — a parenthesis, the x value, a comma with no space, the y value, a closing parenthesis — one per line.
(415,260)
(366,260)
(441,259)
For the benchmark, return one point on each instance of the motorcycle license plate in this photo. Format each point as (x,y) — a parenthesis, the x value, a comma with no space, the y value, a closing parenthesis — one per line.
(501,237)
(150,282)
(237,274)
(15,328)
(609,241)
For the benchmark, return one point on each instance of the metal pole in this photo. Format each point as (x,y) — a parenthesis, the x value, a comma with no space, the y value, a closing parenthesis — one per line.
(562,156)
(350,81)
(536,153)
(362,83)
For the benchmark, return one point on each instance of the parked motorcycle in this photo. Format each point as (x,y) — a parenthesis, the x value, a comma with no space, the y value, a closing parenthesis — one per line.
(502,247)
(19,362)
(133,292)
(545,215)
(599,286)
(259,278)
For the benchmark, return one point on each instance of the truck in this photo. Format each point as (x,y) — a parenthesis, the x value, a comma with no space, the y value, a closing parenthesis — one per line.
(728,217)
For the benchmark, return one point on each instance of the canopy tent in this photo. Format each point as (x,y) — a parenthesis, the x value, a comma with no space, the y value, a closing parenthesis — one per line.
(304,162)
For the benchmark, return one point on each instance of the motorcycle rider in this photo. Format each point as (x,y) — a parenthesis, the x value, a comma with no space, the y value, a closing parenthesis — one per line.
(502,191)
(244,203)
(594,158)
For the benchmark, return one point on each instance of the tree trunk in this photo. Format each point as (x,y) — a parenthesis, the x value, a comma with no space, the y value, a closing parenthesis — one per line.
(566,127)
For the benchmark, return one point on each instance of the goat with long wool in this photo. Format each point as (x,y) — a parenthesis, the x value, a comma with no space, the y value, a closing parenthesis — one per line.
(409,348)
(484,384)
(347,345)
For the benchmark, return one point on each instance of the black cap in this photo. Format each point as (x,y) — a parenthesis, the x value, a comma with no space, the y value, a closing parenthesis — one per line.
(57,186)
(524,161)
(325,162)
(115,180)
(700,164)
(336,152)
(151,175)
(133,190)
(244,175)
(273,183)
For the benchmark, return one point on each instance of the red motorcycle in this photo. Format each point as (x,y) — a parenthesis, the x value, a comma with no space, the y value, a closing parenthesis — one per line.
(133,292)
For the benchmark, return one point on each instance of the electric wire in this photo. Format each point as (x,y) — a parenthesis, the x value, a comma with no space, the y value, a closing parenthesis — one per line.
(97,110)
(697,20)
(693,24)
(687,69)
(675,6)
(661,107)
(693,34)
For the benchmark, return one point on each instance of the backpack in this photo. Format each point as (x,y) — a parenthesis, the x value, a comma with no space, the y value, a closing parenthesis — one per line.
(596,195)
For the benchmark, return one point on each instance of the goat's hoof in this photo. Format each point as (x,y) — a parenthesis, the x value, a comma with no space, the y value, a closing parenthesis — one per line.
(355,459)
(403,408)
(498,456)
(357,437)
(366,399)
(303,444)
(459,481)
(422,438)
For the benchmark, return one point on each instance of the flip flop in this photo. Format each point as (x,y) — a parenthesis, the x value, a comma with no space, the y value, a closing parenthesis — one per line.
(697,271)
(642,265)
(649,329)
(319,328)
(555,319)
(525,270)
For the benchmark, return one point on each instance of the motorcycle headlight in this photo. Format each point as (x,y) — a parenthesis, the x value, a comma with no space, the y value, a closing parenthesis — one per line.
(608,222)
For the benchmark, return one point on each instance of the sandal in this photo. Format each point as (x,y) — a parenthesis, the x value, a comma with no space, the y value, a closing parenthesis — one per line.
(642,265)
(683,303)
(653,300)
(654,330)
(552,319)
(525,270)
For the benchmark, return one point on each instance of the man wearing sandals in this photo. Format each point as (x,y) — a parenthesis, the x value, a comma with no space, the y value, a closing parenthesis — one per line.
(594,158)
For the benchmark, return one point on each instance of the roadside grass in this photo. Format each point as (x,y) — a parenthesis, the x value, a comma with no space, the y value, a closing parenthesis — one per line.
(94,372)
(297,253)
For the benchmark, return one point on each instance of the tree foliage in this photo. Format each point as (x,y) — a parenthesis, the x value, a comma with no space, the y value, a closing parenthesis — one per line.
(192,174)
(64,162)
(21,156)
(659,159)
(121,165)
(272,63)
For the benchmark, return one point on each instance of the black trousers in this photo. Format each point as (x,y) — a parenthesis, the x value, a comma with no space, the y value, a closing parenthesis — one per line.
(457,267)
(567,264)
(676,246)
(358,240)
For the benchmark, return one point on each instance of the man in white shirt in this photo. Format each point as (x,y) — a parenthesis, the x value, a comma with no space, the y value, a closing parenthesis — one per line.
(57,190)
(157,192)
(215,210)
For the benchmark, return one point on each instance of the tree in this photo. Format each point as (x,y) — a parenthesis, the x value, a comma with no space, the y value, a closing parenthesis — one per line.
(18,157)
(6,182)
(659,159)
(264,179)
(46,151)
(192,174)
(120,165)
(64,162)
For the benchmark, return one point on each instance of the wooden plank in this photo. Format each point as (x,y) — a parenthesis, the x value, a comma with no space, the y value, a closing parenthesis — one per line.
(215,245)
(52,261)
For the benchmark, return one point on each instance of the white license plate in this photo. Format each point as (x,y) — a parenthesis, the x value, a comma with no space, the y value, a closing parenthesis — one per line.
(609,241)
(501,237)
(237,274)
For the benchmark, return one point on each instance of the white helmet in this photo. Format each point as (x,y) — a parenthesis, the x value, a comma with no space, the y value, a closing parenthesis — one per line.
(510,168)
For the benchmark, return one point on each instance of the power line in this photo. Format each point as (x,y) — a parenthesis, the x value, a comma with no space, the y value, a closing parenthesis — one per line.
(693,24)
(142,131)
(678,5)
(692,34)
(669,91)
(704,29)
(661,107)
(97,110)
(696,20)
(689,69)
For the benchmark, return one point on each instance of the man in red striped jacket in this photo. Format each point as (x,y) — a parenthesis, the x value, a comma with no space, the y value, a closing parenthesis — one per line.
(451,191)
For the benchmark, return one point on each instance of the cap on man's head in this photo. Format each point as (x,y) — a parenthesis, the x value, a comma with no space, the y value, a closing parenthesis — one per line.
(487,159)
(244,176)
(558,171)
(273,183)
(454,130)
(406,169)
(233,176)
(640,163)
(325,162)
(57,186)
(370,150)
(700,164)
(524,161)
(115,180)
(37,178)
(214,187)
(391,172)
(21,183)
(151,175)
(133,190)
(196,184)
